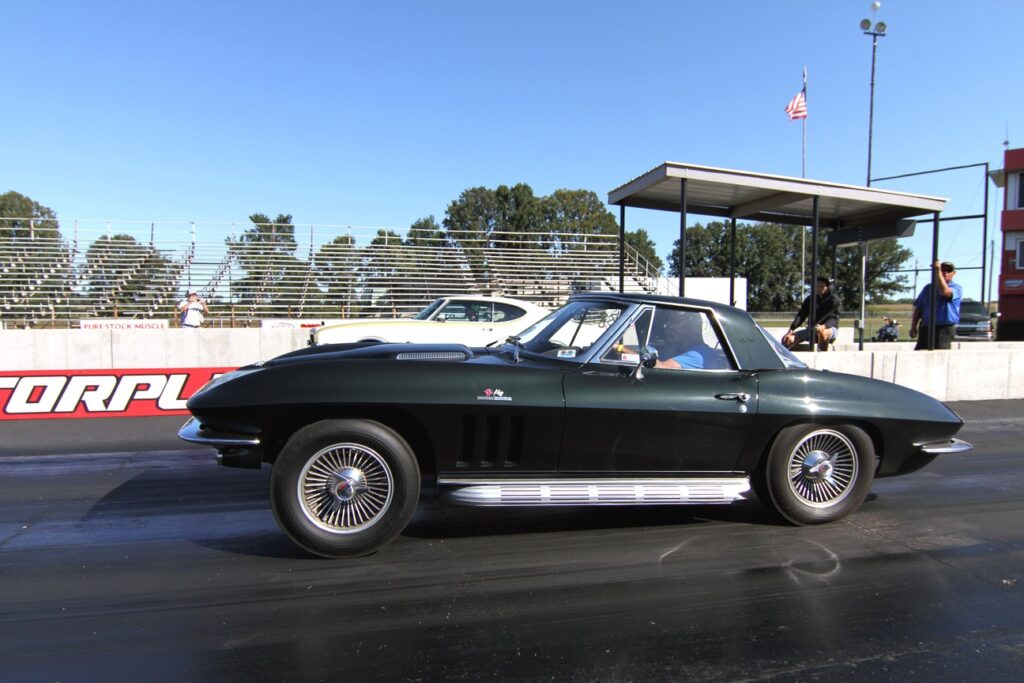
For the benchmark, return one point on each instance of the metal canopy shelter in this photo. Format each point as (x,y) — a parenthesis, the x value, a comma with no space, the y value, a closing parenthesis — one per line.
(732,194)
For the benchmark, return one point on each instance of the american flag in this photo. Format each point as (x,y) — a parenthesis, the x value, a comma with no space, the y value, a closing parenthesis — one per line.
(797,107)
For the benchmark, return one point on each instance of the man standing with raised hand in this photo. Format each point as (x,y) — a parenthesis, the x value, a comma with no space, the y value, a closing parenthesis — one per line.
(947,308)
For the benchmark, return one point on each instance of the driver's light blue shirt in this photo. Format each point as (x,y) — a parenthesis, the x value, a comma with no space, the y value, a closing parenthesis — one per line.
(700,357)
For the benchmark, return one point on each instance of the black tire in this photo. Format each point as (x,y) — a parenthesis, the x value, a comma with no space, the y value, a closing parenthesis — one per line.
(344,488)
(817,473)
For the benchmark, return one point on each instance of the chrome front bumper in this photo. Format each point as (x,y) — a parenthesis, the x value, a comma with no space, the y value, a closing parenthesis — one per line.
(192,431)
(945,447)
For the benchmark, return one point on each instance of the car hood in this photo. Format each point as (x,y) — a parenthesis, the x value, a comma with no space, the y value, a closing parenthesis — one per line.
(377,351)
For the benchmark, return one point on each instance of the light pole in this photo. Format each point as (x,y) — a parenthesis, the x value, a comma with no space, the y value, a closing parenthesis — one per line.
(875,33)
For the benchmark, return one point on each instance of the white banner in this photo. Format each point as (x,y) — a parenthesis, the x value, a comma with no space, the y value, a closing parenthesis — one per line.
(123,324)
(293,323)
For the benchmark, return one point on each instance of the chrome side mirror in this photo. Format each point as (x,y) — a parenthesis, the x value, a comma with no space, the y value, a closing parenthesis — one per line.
(648,359)
(649,356)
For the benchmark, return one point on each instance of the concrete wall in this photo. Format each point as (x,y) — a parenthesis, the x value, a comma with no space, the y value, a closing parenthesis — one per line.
(125,349)
(972,371)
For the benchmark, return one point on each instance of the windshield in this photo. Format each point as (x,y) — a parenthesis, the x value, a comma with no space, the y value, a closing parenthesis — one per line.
(973,308)
(785,355)
(570,331)
(429,310)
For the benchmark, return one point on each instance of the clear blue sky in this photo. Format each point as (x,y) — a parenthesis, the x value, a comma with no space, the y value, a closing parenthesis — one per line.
(379,113)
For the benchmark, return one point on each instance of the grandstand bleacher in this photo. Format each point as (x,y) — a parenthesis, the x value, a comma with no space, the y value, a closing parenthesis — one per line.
(142,270)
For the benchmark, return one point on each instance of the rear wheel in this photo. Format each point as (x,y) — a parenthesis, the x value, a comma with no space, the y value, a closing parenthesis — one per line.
(344,488)
(816,474)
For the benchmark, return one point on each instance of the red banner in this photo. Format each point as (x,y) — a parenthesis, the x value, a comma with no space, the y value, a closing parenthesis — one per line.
(41,394)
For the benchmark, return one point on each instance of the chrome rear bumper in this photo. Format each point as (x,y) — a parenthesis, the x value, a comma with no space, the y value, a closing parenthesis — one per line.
(944,447)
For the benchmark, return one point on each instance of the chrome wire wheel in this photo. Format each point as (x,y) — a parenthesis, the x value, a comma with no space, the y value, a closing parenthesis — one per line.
(823,468)
(345,488)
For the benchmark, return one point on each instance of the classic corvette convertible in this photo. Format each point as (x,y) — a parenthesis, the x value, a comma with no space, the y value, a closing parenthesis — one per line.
(611,400)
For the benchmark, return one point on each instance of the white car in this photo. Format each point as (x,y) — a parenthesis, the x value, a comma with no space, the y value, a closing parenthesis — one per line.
(470,320)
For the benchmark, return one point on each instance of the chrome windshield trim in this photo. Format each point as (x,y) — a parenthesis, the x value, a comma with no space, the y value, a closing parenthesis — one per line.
(945,447)
(193,432)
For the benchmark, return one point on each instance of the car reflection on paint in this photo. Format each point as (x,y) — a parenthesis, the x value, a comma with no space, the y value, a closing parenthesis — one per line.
(611,400)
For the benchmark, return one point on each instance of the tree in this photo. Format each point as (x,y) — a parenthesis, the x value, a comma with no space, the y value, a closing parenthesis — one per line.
(336,266)
(36,260)
(425,232)
(124,277)
(883,283)
(274,279)
(571,215)
(646,249)
(768,256)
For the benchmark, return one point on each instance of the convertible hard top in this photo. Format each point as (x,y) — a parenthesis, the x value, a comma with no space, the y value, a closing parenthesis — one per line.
(748,342)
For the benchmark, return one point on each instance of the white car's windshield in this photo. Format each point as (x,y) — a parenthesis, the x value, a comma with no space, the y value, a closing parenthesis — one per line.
(429,310)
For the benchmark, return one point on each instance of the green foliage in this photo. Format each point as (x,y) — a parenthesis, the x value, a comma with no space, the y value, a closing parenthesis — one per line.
(35,259)
(273,276)
(768,256)
(24,218)
(645,248)
(335,266)
(425,232)
(126,277)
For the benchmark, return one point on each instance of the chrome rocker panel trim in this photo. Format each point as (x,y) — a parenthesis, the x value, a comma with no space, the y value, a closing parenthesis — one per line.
(944,447)
(556,492)
(192,431)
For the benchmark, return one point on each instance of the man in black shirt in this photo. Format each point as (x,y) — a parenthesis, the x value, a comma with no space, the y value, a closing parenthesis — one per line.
(827,313)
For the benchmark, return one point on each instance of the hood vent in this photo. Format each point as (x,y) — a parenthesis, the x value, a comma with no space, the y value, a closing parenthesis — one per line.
(432,355)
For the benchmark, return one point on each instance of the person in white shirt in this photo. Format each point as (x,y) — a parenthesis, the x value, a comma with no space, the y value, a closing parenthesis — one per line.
(192,310)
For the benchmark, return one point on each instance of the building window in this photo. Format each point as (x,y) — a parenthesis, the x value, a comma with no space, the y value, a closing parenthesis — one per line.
(1019,204)
(1020,255)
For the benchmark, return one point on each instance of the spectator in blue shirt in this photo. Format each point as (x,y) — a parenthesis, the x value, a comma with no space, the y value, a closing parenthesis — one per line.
(947,308)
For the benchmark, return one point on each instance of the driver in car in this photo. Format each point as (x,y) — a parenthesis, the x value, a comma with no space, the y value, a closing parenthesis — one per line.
(684,330)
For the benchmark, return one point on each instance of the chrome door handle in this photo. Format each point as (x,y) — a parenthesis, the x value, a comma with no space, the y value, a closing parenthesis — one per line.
(741,397)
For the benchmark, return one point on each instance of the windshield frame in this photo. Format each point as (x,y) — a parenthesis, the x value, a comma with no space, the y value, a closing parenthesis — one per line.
(557,319)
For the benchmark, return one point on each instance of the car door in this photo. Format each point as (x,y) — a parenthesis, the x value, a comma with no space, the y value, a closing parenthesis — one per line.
(663,419)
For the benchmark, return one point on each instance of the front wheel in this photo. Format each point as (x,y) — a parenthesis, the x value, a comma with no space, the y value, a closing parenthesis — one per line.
(816,474)
(344,488)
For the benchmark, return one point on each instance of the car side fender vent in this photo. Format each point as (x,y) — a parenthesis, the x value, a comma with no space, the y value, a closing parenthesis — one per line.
(492,441)
(432,355)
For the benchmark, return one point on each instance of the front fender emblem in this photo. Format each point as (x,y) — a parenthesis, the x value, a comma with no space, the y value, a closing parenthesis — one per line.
(493,395)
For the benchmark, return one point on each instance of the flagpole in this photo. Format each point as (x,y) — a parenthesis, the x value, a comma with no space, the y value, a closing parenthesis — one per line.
(803,174)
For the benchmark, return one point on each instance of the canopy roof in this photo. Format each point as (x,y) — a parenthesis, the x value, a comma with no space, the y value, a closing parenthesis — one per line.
(761,197)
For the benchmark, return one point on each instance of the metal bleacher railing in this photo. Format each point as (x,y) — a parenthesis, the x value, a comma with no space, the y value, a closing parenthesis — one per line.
(51,276)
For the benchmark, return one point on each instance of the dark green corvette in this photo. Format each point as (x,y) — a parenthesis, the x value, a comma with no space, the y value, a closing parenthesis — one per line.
(611,400)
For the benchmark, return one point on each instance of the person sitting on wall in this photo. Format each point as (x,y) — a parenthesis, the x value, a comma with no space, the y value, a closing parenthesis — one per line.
(827,312)
(192,310)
